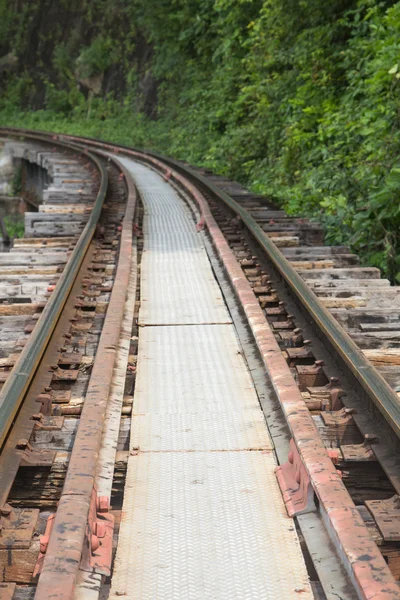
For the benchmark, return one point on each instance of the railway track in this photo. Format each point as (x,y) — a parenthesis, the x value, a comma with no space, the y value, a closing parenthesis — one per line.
(318,332)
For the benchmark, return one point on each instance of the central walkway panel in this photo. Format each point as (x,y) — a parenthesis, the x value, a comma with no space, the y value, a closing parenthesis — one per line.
(192,369)
(203,516)
(177,283)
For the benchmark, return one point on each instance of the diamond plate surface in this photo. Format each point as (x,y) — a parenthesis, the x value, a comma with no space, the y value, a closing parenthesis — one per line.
(191,369)
(201,432)
(173,222)
(177,282)
(207,525)
(164,303)
(203,517)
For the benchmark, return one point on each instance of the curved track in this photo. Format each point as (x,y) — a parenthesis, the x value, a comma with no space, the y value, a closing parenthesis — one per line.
(333,416)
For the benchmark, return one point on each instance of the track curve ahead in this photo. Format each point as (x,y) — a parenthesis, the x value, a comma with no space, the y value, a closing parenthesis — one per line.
(330,401)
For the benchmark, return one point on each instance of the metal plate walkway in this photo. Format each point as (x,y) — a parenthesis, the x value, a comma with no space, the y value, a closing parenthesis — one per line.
(203,516)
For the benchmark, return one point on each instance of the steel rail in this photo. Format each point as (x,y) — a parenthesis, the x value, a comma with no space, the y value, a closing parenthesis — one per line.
(376,387)
(342,520)
(371,577)
(63,557)
(17,384)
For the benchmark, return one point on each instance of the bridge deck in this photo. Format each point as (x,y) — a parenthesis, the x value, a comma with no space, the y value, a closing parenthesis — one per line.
(203,516)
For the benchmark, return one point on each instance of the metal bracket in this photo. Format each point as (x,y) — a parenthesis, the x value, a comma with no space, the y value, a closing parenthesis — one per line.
(332,391)
(60,396)
(46,405)
(296,340)
(311,375)
(70,358)
(387,517)
(295,483)
(64,374)
(48,423)
(335,393)
(97,549)
(283,325)
(342,427)
(17,526)
(300,353)
(340,417)
(34,457)
(44,542)
(359,452)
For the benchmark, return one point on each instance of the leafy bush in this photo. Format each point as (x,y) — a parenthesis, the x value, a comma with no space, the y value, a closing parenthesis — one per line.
(96,58)
(15,226)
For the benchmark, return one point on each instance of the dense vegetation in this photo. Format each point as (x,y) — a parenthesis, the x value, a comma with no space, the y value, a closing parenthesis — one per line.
(299,99)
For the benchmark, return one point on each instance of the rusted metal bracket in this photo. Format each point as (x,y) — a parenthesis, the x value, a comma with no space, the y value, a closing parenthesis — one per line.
(335,393)
(329,394)
(17,526)
(34,457)
(387,517)
(332,391)
(341,425)
(295,483)
(48,423)
(282,325)
(341,417)
(295,355)
(46,404)
(296,339)
(60,396)
(44,542)
(359,452)
(64,374)
(311,375)
(70,358)
(81,326)
(97,550)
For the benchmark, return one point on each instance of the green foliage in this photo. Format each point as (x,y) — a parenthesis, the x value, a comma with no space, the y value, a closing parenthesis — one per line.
(15,226)
(6,25)
(298,99)
(96,58)
(109,121)
(16,183)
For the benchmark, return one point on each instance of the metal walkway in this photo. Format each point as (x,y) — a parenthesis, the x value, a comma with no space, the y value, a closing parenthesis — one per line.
(203,516)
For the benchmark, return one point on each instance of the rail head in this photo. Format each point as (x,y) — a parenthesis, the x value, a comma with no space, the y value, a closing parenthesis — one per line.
(375,386)
(344,522)
(61,566)
(17,384)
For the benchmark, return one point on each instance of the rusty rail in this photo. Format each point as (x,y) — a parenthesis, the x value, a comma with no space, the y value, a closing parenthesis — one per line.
(70,531)
(16,386)
(376,387)
(69,534)
(371,577)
